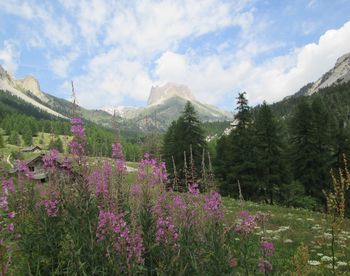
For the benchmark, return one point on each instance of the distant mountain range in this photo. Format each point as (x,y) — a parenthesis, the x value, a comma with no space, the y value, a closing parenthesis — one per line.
(165,103)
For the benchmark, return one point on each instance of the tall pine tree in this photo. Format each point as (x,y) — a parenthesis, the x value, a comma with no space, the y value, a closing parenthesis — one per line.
(240,163)
(271,172)
(182,136)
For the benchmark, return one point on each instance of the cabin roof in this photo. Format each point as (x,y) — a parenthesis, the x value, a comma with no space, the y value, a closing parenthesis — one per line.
(31,148)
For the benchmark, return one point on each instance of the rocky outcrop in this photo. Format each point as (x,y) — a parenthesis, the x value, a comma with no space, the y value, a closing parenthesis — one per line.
(20,88)
(159,94)
(339,74)
(30,84)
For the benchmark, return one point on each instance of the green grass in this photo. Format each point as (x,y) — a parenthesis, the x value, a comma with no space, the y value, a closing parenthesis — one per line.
(288,227)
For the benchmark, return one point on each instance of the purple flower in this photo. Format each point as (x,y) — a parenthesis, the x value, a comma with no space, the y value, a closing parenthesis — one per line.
(120,164)
(77,130)
(135,189)
(267,248)
(152,172)
(76,121)
(10,227)
(212,205)
(50,158)
(4,203)
(165,231)
(66,164)
(179,202)
(117,151)
(51,207)
(247,223)
(76,148)
(7,186)
(23,168)
(264,266)
(193,189)
(77,145)
(11,214)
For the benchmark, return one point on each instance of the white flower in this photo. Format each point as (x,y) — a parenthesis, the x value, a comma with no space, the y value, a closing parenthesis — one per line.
(319,254)
(288,241)
(326,259)
(340,263)
(314,262)
(310,219)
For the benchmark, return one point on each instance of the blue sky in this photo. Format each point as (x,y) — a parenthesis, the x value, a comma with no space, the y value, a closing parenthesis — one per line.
(116,50)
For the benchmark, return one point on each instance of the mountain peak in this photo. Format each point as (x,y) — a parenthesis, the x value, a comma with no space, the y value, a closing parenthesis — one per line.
(29,83)
(159,94)
(339,74)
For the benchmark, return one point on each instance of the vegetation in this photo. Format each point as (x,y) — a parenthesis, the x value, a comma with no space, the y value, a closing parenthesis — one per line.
(184,144)
(282,160)
(88,219)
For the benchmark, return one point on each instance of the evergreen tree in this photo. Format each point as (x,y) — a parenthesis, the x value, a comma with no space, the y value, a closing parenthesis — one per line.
(271,172)
(240,164)
(14,138)
(56,144)
(182,136)
(2,143)
(27,136)
(310,139)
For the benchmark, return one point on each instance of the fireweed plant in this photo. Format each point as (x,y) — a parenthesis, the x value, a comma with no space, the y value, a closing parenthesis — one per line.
(87,220)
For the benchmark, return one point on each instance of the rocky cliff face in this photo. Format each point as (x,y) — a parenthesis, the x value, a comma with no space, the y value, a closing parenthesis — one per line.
(339,74)
(159,94)
(20,89)
(30,84)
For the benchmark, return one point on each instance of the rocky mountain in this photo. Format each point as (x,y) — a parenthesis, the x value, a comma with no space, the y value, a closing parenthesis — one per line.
(339,74)
(159,94)
(26,89)
(165,104)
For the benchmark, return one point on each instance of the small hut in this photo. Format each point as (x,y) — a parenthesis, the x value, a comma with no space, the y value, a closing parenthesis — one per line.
(35,149)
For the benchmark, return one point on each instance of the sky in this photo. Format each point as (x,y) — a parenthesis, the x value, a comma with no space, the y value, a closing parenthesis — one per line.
(115,51)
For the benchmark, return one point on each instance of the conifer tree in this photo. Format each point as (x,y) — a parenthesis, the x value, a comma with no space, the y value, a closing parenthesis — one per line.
(27,136)
(14,138)
(310,139)
(182,135)
(270,170)
(239,162)
(2,143)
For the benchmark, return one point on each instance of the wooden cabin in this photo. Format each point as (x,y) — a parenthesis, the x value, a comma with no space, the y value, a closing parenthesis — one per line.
(35,149)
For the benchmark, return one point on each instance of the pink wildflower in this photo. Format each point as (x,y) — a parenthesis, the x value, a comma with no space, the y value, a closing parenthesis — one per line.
(233,262)
(7,186)
(212,205)
(76,121)
(77,130)
(51,207)
(264,266)
(193,189)
(23,168)
(117,151)
(10,227)
(50,158)
(267,248)
(12,214)
(247,223)
(3,202)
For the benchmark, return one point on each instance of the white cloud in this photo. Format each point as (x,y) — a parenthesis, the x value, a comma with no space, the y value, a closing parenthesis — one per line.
(211,78)
(9,57)
(17,8)
(110,78)
(277,78)
(60,65)
(150,27)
